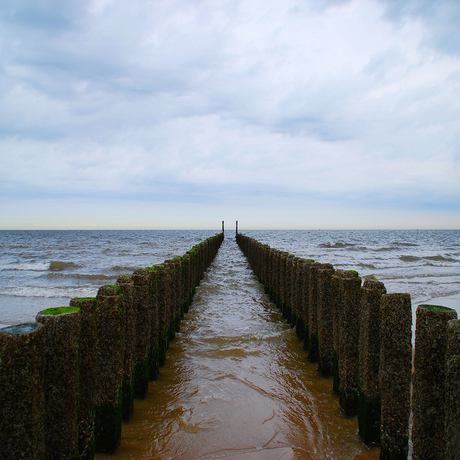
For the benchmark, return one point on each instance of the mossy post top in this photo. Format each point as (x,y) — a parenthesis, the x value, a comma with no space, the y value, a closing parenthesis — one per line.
(56,311)
(435,308)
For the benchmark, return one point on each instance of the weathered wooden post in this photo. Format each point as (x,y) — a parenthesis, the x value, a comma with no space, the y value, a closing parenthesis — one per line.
(142,305)
(88,375)
(129,335)
(163,312)
(395,375)
(110,351)
(325,321)
(61,380)
(313,312)
(237,227)
(349,345)
(452,387)
(369,362)
(428,400)
(154,355)
(22,400)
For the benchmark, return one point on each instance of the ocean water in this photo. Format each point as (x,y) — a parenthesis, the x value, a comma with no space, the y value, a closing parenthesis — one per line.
(40,269)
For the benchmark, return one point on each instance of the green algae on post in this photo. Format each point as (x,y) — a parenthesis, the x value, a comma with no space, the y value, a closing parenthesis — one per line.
(59,311)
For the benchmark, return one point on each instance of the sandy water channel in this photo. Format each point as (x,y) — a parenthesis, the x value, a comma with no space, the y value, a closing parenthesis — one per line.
(237,384)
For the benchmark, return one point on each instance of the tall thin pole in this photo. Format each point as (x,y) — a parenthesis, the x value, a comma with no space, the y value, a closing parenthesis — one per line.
(237,227)
(222,226)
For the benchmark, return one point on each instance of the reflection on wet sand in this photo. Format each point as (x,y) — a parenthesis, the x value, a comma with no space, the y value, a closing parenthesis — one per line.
(237,384)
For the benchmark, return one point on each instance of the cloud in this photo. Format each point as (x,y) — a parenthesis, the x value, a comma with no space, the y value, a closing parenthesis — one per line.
(193,102)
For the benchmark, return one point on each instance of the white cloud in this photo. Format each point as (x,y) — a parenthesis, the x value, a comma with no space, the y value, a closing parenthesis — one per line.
(189,101)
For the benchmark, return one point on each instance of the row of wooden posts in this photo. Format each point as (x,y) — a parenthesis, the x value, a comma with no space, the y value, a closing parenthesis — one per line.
(361,336)
(68,380)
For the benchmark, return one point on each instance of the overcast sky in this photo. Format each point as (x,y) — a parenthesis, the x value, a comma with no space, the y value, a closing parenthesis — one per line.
(276,113)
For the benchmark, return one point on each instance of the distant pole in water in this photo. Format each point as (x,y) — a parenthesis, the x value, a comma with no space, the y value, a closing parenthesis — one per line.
(237,227)
(222,226)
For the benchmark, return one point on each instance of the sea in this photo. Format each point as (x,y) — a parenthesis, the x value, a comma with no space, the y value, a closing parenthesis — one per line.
(42,269)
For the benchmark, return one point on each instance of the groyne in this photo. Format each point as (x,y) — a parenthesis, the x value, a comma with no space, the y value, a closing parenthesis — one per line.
(362,336)
(68,380)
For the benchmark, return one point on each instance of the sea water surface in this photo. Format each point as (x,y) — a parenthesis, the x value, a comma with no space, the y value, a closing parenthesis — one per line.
(40,269)
(237,383)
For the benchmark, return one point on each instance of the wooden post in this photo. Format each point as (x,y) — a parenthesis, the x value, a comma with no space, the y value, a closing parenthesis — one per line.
(61,380)
(428,395)
(395,375)
(237,227)
(22,401)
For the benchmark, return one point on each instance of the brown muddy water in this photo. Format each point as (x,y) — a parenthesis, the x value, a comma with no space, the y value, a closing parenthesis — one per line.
(237,384)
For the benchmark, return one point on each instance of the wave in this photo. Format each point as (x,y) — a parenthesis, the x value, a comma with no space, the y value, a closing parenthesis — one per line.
(57,266)
(338,245)
(79,276)
(409,258)
(403,244)
(30,266)
(122,269)
(440,258)
(32,291)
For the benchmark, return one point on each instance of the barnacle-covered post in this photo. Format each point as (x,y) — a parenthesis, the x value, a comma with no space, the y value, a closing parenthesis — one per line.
(349,344)
(395,375)
(369,362)
(325,321)
(88,375)
(163,314)
(142,350)
(110,354)
(61,380)
(154,355)
(428,399)
(22,400)
(452,384)
(129,337)
(313,312)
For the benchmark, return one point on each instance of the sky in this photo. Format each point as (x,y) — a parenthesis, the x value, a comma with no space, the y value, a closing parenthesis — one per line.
(181,114)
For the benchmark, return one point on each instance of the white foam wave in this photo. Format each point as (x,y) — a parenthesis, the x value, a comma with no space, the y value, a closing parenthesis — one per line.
(32,291)
(32,266)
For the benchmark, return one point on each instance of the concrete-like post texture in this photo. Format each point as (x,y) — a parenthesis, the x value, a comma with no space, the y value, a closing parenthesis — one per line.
(88,375)
(313,312)
(129,333)
(325,321)
(163,313)
(287,304)
(369,362)
(452,391)
(154,355)
(22,400)
(305,274)
(142,311)
(349,345)
(110,354)
(395,375)
(428,399)
(61,381)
